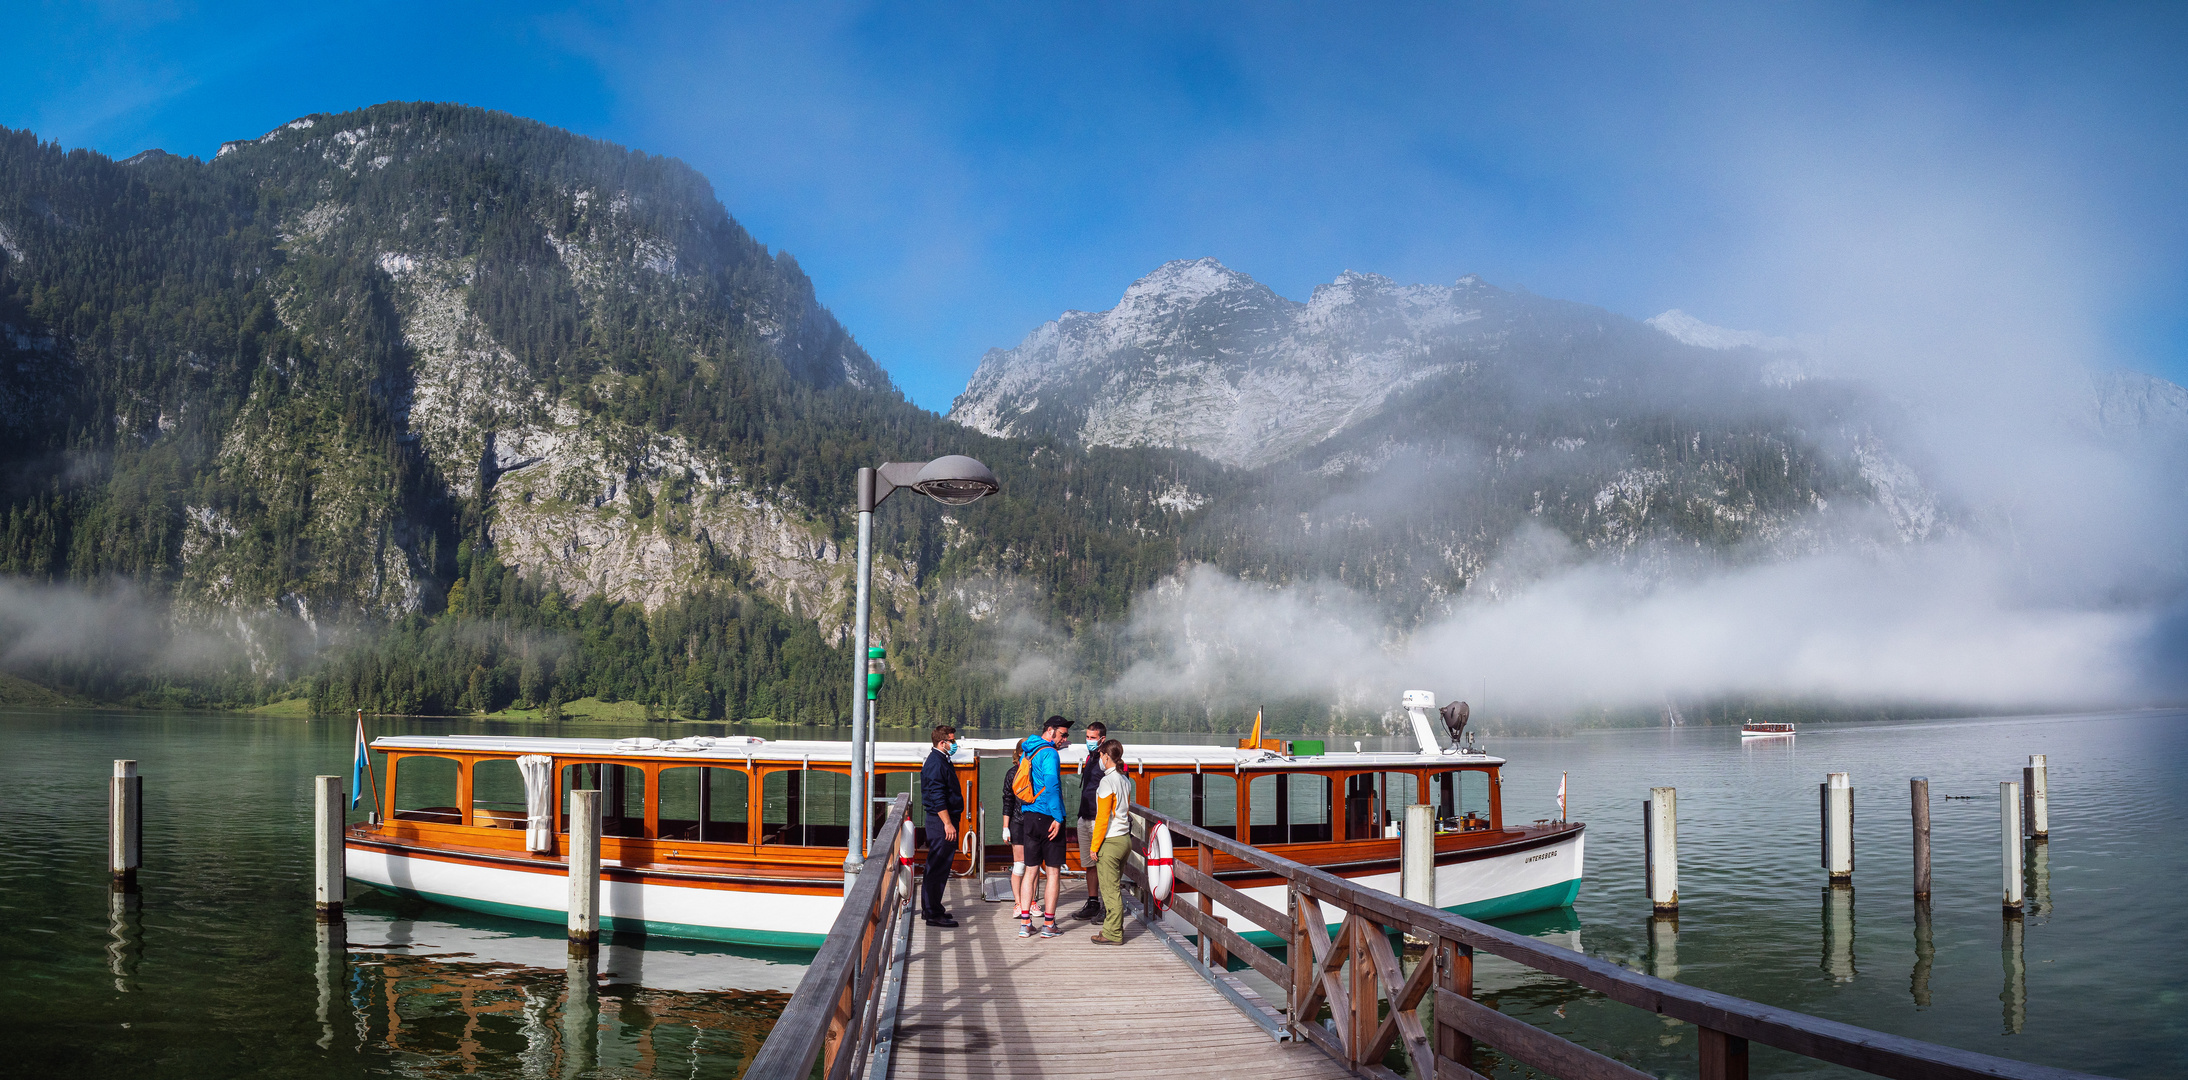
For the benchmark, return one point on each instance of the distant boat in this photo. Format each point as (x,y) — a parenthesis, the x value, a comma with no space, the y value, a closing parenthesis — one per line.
(1753,730)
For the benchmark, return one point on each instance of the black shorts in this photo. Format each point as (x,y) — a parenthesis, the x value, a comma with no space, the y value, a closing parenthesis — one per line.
(1041,849)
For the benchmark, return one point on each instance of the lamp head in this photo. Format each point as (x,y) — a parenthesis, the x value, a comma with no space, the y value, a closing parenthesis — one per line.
(955,480)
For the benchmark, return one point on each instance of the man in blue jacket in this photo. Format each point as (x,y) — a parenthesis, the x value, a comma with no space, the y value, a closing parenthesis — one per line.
(1042,821)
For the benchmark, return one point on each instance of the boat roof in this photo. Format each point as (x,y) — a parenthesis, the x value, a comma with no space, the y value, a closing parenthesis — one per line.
(741,748)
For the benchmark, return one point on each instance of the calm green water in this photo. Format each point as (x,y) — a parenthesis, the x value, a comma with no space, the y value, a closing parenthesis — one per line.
(217,970)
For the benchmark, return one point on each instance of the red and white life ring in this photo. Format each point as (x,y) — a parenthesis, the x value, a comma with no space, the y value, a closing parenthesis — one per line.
(1158,862)
(904,860)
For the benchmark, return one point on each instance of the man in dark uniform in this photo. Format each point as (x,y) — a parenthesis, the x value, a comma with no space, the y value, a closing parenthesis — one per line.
(944,802)
(1090,778)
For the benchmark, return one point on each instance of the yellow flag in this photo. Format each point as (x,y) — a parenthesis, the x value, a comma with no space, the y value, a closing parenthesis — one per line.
(1257,728)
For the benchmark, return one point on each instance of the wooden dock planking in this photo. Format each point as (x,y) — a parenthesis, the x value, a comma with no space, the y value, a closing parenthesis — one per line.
(980,1002)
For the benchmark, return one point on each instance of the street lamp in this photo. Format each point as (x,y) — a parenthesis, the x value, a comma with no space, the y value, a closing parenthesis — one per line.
(952,480)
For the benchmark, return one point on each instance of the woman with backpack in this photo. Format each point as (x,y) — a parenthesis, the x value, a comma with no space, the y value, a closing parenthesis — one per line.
(1113,830)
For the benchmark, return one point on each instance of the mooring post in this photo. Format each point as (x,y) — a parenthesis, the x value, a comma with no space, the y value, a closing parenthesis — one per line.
(2009,835)
(1838,828)
(1660,826)
(328,877)
(125,825)
(2036,799)
(584,872)
(1919,791)
(1417,857)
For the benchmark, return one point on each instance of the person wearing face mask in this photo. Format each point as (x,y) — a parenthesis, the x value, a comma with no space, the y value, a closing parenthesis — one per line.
(944,801)
(1090,778)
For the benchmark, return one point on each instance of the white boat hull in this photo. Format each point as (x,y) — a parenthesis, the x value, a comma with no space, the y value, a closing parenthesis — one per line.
(752,917)
(1535,878)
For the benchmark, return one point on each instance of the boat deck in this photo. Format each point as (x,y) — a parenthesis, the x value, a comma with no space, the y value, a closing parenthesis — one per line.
(981,1002)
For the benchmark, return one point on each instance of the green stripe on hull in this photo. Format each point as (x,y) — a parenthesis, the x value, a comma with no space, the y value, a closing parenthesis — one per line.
(1546,898)
(732,934)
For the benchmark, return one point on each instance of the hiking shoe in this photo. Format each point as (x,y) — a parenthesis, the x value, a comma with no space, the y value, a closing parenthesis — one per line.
(1092,910)
(1100,939)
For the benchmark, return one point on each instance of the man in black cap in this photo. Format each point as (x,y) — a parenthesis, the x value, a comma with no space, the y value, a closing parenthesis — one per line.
(944,801)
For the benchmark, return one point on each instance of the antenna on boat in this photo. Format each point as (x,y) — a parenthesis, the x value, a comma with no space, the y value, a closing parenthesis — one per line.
(1417,703)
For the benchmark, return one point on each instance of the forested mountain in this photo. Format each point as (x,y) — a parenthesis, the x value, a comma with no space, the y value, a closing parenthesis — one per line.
(430,409)
(442,409)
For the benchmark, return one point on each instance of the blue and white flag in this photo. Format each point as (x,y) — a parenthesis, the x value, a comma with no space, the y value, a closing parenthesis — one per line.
(357,767)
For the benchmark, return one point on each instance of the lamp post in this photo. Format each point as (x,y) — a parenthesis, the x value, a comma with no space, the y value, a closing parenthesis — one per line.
(952,480)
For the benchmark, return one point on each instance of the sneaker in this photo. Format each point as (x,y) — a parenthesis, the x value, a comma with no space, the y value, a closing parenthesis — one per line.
(1092,911)
(1025,929)
(1048,929)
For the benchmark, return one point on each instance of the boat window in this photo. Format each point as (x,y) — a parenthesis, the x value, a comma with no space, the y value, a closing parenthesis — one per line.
(1290,808)
(889,785)
(1375,803)
(705,803)
(805,807)
(497,795)
(1462,800)
(622,796)
(1208,799)
(425,789)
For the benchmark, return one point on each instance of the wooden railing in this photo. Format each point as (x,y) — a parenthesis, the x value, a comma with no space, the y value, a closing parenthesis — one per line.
(835,1013)
(1373,1003)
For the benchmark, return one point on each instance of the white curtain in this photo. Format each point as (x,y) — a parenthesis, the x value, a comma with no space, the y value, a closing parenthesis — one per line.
(539,802)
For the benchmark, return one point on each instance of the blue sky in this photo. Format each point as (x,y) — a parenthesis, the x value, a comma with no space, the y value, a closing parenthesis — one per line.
(952,177)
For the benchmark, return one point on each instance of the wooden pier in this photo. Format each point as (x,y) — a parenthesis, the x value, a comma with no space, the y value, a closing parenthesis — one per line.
(980,1002)
(880,1002)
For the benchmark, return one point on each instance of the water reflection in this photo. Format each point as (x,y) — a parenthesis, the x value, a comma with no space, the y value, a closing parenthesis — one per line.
(1838,933)
(580,1015)
(2036,870)
(1925,955)
(125,937)
(331,970)
(2015,995)
(448,999)
(1664,946)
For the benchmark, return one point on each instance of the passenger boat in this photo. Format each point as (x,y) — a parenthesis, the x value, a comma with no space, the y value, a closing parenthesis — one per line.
(1754,730)
(743,839)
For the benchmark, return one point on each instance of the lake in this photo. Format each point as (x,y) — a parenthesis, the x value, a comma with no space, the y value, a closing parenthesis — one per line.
(216,969)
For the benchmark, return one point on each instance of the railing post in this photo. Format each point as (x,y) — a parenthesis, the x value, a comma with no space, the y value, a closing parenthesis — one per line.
(1361,987)
(1724,1057)
(1299,953)
(1457,976)
(1207,860)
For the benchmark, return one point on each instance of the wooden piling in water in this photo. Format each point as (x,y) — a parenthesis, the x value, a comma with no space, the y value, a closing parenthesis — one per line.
(125,825)
(1417,857)
(2009,829)
(2036,799)
(585,824)
(329,877)
(1660,824)
(1919,793)
(1837,794)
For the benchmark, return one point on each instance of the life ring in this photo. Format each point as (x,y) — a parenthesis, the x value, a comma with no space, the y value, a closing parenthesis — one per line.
(1158,862)
(904,860)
